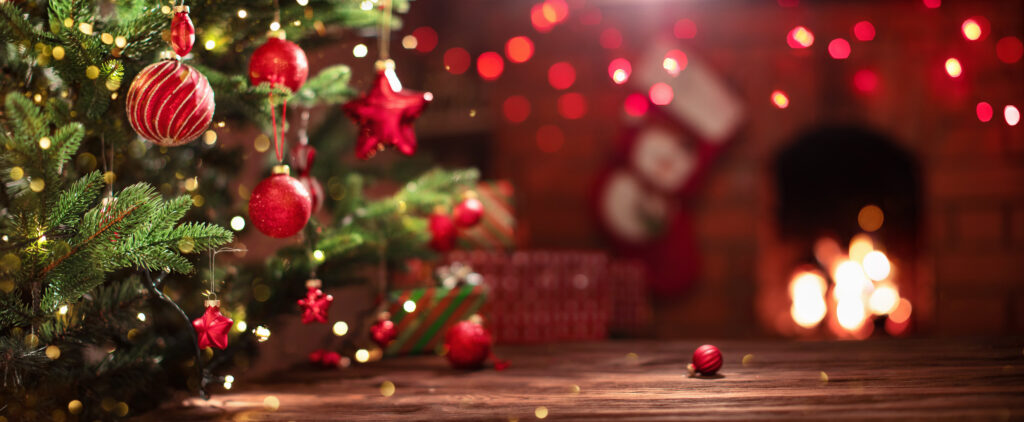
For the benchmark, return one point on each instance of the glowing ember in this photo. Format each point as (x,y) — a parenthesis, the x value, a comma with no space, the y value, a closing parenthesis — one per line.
(519,49)
(984,111)
(953,67)
(675,61)
(1012,115)
(780,99)
(800,37)
(971,29)
(876,265)
(490,65)
(661,94)
(884,299)
(864,31)
(619,70)
(839,49)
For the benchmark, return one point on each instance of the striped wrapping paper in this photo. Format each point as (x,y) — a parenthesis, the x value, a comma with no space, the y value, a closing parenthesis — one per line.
(437,308)
(496,231)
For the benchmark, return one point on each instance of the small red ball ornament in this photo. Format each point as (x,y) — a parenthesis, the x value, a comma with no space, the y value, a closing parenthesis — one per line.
(315,304)
(302,161)
(468,212)
(280,206)
(707,360)
(212,328)
(279,62)
(183,33)
(385,114)
(170,103)
(442,232)
(468,345)
(383,332)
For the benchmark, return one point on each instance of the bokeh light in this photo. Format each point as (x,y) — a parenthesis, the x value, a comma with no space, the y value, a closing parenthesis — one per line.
(839,49)
(555,11)
(456,60)
(902,312)
(572,105)
(539,19)
(850,314)
(860,245)
(876,265)
(636,105)
(360,50)
(870,218)
(619,70)
(519,49)
(561,75)
(800,37)
(661,94)
(779,99)
(550,138)
(953,67)
(1012,115)
(807,292)
(426,39)
(827,251)
(971,29)
(684,29)
(674,62)
(864,31)
(851,283)
(884,299)
(611,38)
(1010,49)
(865,81)
(984,111)
(490,65)
(516,108)
(932,4)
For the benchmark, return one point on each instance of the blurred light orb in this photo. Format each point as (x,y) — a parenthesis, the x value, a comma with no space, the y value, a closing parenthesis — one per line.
(932,4)
(971,29)
(675,61)
(807,284)
(539,19)
(360,50)
(877,265)
(800,37)
(902,312)
(555,11)
(860,245)
(864,31)
(779,99)
(826,251)
(611,39)
(884,299)
(516,108)
(561,75)
(953,67)
(839,49)
(362,355)
(684,29)
(984,111)
(661,94)
(807,291)
(409,306)
(636,105)
(850,314)
(237,223)
(1012,115)
(865,81)
(1009,49)
(426,39)
(456,60)
(550,138)
(409,42)
(619,70)
(490,65)
(870,218)
(340,328)
(808,314)
(572,105)
(851,282)
(519,49)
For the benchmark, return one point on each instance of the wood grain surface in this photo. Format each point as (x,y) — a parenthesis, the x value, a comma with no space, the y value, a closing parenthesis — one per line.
(632,380)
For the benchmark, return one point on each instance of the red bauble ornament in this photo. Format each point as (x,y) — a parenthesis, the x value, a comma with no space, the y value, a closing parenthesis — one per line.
(302,161)
(183,33)
(383,332)
(385,114)
(279,62)
(212,328)
(170,103)
(468,212)
(280,206)
(315,304)
(707,360)
(442,232)
(468,345)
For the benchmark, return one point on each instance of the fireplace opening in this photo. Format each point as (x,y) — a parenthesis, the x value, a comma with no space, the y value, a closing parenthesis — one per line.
(849,202)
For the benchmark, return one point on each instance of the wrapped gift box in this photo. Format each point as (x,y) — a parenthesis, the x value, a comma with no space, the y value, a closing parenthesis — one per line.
(437,308)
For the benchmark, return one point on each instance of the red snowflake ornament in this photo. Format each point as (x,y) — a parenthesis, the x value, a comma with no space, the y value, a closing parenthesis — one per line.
(315,304)
(212,328)
(385,114)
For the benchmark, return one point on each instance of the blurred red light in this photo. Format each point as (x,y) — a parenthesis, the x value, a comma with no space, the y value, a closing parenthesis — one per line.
(539,20)
(864,31)
(661,94)
(516,108)
(561,75)
(550,138)
(972,29)
(426,39)
(953,67)
(611,38)
(1012,115)
(636,105)
(1010,49)
(780,99)
(519,49)
(839,49)
(932,4)
(684,29)
(572,106)
(619,70)
(555,11)
(984,111)
(490,65)
(456,60)
(800,37)
(674,62)
(591,17)
(865,81)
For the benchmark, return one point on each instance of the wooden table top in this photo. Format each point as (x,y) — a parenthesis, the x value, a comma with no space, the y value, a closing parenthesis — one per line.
(646,380)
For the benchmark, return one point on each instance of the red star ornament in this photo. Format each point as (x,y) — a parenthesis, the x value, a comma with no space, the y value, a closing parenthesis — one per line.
(315,304)
(385,114)
(212,328)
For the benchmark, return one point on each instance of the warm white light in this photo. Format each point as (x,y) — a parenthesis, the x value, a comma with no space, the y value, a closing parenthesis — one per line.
(318,255)
(241,326)
(210,44)
(141,316)
(884,300)
(302,2)
(229,378)
(63,310)
(362,355)
(860,245)
(242,13)
(366,5)
(851,283)
(340,328)
(850,313)
(262,333)
(808,314)
(1012,115)
(360,50)
(876,265)
(807,290)
(409,306)
(237,223)
(274,26)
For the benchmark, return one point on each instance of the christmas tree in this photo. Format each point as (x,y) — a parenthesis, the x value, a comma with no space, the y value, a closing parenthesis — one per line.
(103,229)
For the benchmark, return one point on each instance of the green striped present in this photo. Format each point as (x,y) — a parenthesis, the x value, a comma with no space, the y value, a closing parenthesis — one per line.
(437,308)
(496,230)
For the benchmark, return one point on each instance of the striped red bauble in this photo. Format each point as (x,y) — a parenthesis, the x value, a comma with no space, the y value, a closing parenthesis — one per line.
(170,103)
(707,360)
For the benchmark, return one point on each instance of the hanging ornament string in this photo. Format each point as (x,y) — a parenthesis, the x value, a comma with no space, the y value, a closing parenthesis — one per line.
(384,40)
(278,138)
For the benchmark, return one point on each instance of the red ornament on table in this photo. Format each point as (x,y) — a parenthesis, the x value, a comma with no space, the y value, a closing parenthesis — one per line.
(212,328)
(468,212)
(468,345)
(442,232)
(302,161)
(707,360)
(383,332)
(280,63)
(183,33)
(385,114)
(280,206)
(315,304)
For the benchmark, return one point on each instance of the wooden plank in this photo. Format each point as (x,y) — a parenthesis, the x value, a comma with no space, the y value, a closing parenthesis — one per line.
(878,379)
